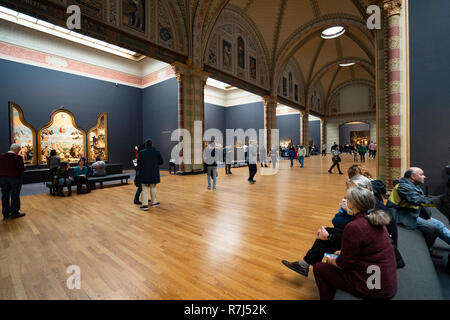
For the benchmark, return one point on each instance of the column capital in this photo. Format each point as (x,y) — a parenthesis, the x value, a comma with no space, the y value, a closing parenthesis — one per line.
(270,100)
(392,7)
(304,112)
(182,70)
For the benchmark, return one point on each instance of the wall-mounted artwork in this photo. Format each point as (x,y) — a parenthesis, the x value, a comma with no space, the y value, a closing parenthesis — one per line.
(98,140)
(227,56)
(133,14)
(63,135)
(241,53)
(252,68)
(23,134)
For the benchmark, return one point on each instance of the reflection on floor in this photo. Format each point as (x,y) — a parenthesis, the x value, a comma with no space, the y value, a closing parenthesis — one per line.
(199,244)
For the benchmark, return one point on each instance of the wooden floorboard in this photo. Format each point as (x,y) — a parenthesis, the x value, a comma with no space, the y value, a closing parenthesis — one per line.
(198,244)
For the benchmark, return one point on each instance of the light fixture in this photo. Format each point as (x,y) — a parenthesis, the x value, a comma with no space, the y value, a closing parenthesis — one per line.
(333,32)
(49,28)
(218,84)
(347,64)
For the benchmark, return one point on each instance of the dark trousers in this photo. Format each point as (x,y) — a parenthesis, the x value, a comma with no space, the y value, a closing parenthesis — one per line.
(10,195)
(80,181)
(227,168)
(252,169)
(334,165)
(320,247)
(328,278)
(324,153)
(138,194)
(172,166)
(363,157)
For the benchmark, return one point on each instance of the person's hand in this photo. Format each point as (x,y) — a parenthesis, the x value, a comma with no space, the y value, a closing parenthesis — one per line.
(338,253)
(322,234)
(344,204)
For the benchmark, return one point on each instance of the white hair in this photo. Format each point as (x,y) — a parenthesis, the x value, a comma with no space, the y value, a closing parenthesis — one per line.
(15,146)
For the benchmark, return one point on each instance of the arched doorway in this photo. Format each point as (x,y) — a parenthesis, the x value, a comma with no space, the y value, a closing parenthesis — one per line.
(355,132)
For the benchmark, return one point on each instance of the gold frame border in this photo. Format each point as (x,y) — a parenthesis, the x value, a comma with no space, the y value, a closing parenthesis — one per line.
(52,118)
(26,124)
(88,149)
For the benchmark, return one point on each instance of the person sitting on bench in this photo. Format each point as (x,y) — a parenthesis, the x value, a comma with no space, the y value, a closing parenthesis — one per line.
(64,179)
(80,173)
(98,168)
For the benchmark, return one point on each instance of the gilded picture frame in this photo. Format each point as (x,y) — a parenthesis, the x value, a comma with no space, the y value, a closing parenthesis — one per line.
(21,132)
(97,140)
(63,135)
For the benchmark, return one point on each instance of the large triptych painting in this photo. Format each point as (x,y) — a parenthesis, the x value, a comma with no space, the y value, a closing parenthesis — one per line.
(23,134)
(98,140)
(63,135)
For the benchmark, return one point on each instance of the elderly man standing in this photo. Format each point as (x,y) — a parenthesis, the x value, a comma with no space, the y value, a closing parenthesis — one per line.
(11,171)
(408,205)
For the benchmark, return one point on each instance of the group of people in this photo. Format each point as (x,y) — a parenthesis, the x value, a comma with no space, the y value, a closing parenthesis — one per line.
(299,153)
(64,176)
(364,235)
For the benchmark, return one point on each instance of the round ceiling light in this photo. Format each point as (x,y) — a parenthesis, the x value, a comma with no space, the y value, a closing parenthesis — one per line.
(333,32)
(347,64)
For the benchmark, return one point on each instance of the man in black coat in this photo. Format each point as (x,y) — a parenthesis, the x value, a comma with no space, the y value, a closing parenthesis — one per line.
(11,171)
(147,174)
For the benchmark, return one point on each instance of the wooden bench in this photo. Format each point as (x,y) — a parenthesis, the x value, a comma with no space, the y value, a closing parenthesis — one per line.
(109,177)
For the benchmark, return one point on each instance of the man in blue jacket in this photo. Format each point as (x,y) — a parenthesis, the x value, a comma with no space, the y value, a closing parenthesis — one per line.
(407,204)
(147,174)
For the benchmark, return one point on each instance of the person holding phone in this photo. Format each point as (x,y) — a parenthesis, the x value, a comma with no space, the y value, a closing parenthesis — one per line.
(80,174)
(366,246)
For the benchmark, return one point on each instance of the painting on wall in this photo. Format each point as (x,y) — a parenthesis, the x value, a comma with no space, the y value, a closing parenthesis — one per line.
(360,137)
(98,139)
(63,135)
(133,14)
(23,134)
(252,68)
(241,53)
(227,56)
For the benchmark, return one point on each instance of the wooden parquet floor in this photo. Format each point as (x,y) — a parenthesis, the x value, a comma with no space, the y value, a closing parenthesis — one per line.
(198,244)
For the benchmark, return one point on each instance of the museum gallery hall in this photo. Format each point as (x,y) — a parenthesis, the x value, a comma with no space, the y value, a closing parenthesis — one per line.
(192,149)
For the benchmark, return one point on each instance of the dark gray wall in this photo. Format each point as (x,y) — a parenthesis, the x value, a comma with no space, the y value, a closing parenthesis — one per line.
(160,116)
(314,132)
(289,126)
(346,129)
(430,94)
(39,91)
(215,118)
(248,116)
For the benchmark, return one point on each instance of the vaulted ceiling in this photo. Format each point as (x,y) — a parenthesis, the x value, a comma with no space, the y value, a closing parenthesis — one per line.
(292,28)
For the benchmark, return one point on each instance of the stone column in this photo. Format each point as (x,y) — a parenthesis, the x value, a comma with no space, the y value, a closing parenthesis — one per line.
(191,106)
(392,9)
(270,119)
(323,133)
(305,129)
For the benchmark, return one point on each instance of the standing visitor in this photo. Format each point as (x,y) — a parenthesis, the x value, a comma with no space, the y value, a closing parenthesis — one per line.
(211,164)
(291,155)
(252,161)
(147,175)
(301,156)
(11,172)
(336,159)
